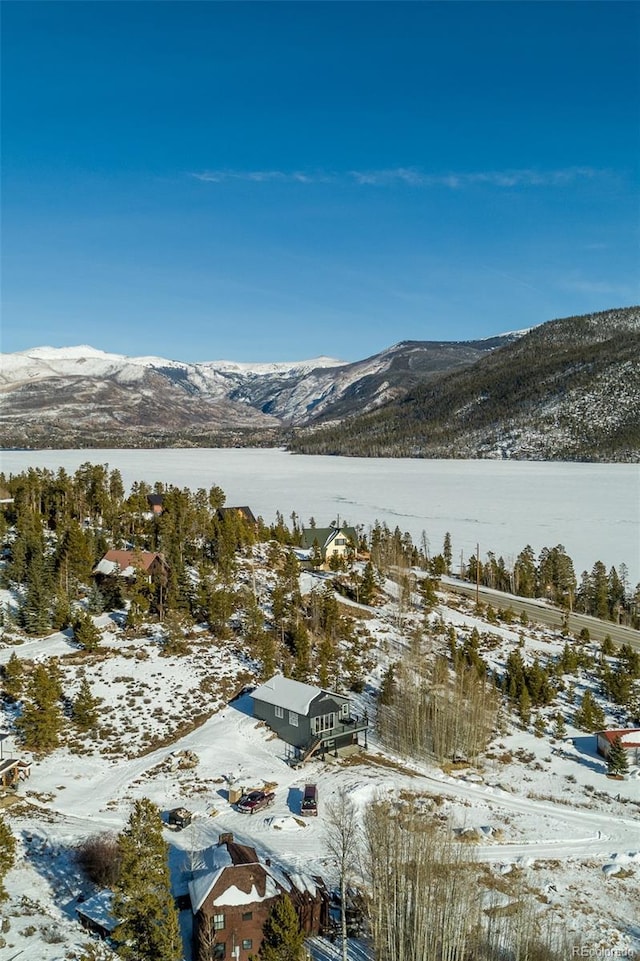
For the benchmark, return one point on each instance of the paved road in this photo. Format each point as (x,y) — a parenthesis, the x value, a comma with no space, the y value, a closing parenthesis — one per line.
(543,613)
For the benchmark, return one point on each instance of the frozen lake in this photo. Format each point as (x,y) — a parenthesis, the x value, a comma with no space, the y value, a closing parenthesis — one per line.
(592,509)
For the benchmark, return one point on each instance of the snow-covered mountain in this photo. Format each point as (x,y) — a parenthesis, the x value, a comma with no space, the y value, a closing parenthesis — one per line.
(80,388)
(565,390)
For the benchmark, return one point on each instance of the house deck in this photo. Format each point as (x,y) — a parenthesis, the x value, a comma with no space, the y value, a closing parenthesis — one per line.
(327,740)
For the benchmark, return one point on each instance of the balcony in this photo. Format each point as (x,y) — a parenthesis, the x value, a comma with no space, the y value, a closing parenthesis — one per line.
(350,725)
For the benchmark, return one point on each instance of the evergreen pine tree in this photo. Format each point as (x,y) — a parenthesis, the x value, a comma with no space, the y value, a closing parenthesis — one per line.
(142,897)
(607,648)
(301,644)
(446,552)
(7,854)
(74,558)
(268,654)
(559,727)
(589,716)
(316,556)
(134,616)
(539,726)
(13,678)
(85,632)
(95,600)
(524,573)
(282,937)
(175,642)
(85,708)
(428,592)
(617,761)
(524,706)
(35,610)
(599,599)
(41,721)
(61,615)
(112,591)
(368,585)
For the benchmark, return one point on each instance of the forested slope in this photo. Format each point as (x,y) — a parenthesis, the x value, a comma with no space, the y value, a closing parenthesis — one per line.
(567,390)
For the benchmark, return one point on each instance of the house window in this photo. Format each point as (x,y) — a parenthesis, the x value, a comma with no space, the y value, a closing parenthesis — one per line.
(279,711)
(344,710)
(218,952)
(340,541)
(293,719)
(326,722)
(247,944)
(218,922)
(247,916)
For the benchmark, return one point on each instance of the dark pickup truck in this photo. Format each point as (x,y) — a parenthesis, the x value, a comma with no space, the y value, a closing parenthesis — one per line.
(255,801)
(309,806)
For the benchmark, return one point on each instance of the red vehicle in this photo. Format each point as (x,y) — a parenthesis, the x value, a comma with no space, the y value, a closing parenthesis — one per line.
(255,801)
(309,804)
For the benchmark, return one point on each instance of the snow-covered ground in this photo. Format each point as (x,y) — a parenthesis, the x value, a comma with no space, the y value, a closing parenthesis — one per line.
(592,509)
(534,810)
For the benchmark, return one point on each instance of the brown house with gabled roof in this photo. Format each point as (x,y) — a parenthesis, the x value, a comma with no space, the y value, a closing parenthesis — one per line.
(233,894)
(245,513)
(156,503)
(125,563)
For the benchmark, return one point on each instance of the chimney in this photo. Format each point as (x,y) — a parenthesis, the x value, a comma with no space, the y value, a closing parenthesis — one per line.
(267,861)
(225,838)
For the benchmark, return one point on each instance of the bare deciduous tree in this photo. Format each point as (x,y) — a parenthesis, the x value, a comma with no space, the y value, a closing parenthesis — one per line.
(342,837)
(436,712)
(99,858)
(422,887)
(426,898)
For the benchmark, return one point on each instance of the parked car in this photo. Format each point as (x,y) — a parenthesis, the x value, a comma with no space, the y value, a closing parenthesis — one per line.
(309,806)
(254,801)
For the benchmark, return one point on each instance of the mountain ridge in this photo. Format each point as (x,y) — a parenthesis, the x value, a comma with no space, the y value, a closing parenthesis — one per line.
(82,387)
(567,389)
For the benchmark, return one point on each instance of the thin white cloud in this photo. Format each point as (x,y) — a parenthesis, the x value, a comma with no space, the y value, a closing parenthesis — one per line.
(624,292)
(408,176)
(511,277)
(264,176)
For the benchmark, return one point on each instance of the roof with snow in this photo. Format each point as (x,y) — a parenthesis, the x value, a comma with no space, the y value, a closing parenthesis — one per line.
(98,910)
(285,692)
(629,736)
(126,562)
(225,855)
(245,879)
(235,895)
(7,764)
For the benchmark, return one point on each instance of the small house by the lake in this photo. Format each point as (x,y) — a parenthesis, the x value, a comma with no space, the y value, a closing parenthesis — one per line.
(330,542)
(312,720)
(126,563)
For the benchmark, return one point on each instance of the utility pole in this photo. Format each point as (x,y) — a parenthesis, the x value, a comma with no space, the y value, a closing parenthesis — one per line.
(477,575)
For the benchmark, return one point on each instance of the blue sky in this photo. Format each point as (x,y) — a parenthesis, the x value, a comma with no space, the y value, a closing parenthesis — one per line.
(275,181)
